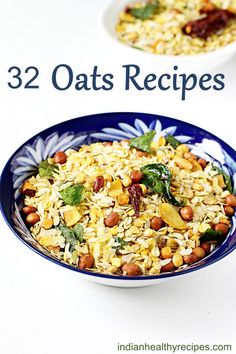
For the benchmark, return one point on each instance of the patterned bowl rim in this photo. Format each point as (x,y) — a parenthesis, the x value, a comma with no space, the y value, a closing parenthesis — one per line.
(176,121)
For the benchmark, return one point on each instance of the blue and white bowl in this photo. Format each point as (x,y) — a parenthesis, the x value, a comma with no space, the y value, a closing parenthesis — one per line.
(105,127)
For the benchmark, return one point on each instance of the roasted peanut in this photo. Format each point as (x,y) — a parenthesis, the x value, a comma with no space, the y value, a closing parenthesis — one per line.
(156,223)
(112,219)
(136,176)
(202,162)
(229,211)
(199,252)
(123,199)
(86,261)
(186,213)
(32,218)
(131,269)
(222,228)
(191,258)
(231,200)
(206,247)
(168,267)
(29,209)
(60,157)
(98,183)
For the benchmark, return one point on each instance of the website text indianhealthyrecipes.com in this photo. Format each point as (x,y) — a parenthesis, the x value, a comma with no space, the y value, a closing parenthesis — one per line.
(174,348)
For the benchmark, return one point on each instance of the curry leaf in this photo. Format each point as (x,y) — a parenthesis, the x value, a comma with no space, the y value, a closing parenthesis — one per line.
(120,243)
(158,177)
(172,141)
(212,235)
(226,177)
(143,142)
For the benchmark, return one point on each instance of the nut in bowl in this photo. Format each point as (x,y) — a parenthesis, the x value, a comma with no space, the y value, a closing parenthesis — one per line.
(199,35)
(139,199)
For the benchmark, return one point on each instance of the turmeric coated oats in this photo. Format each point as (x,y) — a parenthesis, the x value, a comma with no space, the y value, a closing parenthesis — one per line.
(111,209)
(178,27)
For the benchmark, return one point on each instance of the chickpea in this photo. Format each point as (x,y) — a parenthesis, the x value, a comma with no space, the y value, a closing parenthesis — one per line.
(231,200)
(127,181)
(222,228)
(156,223)
(177,260)
(123,199)
(112,219)
(144,189)
(189,155)
(186,213)
(229,211)
(29,209)
(86,261)
(60,157)
(136,176)
(32,218)
(131,269)
(199,252)
(191,258)
(202,162)
(206,247)
(166,252)
(168,267)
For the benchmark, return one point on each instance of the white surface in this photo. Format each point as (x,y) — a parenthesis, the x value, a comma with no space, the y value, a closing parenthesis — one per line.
(45,309)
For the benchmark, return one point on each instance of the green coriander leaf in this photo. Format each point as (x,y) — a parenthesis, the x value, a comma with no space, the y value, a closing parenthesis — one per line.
(73,195)
(146,11)
(143,142)
(46,170)
(172,141)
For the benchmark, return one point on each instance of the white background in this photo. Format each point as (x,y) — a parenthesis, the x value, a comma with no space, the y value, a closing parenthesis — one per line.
(45,309)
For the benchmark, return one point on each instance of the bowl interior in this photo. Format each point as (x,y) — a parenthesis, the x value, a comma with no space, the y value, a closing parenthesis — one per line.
(109,19)
(107,127)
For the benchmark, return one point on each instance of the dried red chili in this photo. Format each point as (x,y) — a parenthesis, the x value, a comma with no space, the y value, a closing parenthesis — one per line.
(135,192)
(213,22)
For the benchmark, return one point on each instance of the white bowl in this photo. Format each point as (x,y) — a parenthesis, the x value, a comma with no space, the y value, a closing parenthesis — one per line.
(189,63)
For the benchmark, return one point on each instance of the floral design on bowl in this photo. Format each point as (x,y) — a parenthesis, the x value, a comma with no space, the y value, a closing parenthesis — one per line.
(139,127)
(25,163)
